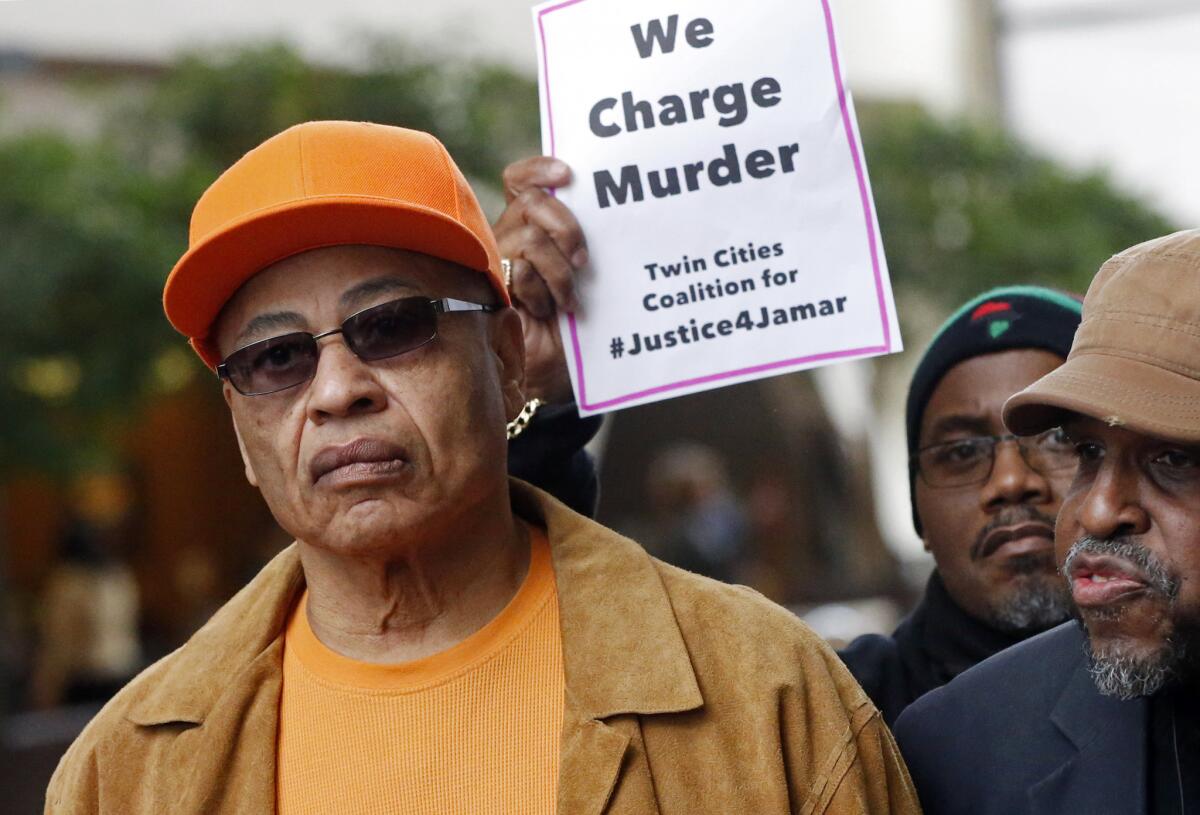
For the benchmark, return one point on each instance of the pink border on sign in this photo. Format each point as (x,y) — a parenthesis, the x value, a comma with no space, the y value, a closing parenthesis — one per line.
(868,216)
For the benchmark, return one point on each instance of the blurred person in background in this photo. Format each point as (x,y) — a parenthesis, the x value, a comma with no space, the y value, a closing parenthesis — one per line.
(695,523)
(343,282)
(195,579)
(983,502)
(1100,715)
(88,644)
(776,565)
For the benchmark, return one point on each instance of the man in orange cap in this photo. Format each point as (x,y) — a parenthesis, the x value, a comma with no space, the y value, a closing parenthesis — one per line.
(1099,715)
(439,639)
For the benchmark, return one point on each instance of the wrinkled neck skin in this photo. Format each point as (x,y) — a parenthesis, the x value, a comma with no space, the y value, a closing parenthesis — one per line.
(423,597)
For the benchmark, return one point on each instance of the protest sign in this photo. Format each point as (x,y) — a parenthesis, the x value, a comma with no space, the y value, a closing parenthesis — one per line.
(720,182)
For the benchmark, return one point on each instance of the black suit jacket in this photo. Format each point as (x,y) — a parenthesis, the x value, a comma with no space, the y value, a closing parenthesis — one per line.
(1026,731)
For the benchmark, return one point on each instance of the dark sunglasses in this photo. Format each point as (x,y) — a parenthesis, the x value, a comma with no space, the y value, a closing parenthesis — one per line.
(378,332)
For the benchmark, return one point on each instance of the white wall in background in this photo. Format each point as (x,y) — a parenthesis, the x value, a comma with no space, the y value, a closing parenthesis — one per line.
(1120,96)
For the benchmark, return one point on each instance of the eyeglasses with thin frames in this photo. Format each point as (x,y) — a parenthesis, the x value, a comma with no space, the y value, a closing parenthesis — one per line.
(969,461)
(379,332)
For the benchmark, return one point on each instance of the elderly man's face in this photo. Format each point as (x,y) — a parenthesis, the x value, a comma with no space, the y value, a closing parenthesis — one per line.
(369,454)
(992,539)
(1129,539)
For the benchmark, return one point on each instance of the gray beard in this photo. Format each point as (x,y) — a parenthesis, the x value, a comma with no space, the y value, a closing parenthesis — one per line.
(1116,669)
(1035,606)
(1125,675)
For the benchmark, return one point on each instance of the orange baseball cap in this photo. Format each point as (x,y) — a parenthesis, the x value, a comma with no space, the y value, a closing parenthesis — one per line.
(324,184)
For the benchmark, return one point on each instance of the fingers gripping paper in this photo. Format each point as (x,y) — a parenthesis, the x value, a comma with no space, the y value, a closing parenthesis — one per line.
(720,181)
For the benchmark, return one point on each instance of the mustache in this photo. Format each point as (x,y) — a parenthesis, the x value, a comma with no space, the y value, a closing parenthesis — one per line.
(1013,516)
(1159,578)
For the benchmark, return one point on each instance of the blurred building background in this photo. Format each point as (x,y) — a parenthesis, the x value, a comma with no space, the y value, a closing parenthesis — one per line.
(1008,141)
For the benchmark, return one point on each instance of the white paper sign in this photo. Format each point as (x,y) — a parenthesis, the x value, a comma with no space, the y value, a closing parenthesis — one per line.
(720,182)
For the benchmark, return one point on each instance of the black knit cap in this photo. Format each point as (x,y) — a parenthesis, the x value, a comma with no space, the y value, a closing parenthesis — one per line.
(1002,319)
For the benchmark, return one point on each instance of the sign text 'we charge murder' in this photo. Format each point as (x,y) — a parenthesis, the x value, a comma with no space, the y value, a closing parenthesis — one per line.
(719,179)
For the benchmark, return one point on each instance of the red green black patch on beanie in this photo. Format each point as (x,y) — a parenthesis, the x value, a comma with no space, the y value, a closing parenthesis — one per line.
(997,317)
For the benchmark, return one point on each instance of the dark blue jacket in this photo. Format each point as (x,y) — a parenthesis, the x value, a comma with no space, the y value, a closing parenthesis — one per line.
(1026,731)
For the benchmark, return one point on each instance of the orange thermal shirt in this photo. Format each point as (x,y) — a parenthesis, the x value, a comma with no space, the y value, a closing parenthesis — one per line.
(473,729)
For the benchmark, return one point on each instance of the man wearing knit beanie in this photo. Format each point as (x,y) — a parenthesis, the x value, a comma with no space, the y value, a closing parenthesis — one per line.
(983,502)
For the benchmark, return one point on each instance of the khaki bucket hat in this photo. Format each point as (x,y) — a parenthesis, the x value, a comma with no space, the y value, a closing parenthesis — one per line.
(1135,361)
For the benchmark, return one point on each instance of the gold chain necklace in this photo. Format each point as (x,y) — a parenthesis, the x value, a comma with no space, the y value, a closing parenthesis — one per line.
(517,426)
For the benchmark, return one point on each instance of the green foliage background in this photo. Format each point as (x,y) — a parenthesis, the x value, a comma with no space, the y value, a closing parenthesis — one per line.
(88,231)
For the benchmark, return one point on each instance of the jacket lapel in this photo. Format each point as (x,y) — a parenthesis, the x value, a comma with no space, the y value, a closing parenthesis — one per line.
(1106,771)
(223,688)
(589,766)
(623,652)
(238,744)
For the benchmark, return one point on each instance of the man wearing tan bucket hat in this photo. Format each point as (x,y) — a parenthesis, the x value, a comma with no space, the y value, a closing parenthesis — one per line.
(1100,715)
(439,639)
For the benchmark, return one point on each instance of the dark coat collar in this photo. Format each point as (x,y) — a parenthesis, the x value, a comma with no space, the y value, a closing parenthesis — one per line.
(940,640)
(1104,757)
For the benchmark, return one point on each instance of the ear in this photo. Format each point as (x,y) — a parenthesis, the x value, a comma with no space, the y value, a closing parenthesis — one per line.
(508,346)
(228,392)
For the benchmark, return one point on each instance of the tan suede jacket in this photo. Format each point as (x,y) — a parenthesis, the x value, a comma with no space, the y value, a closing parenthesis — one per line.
(683,695)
